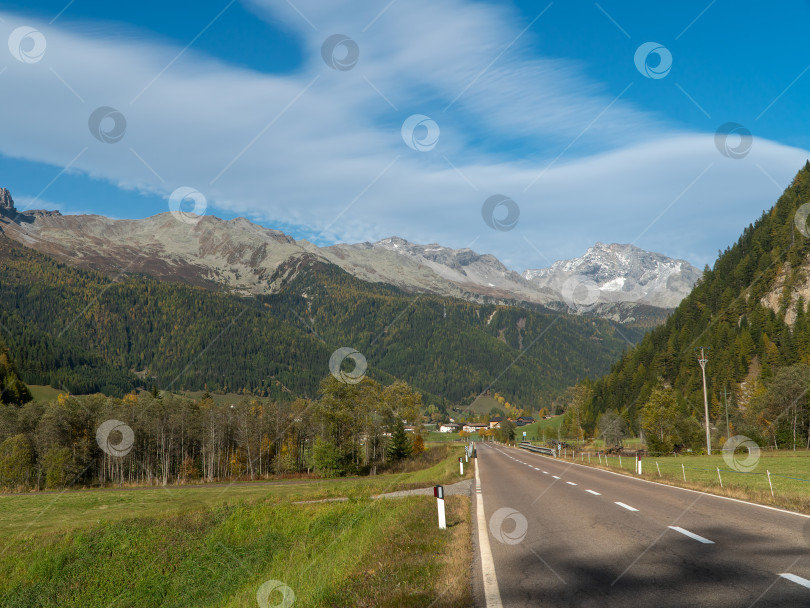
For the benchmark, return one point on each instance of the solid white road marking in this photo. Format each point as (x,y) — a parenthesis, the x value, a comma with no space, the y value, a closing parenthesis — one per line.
(628,507)
(570,483)
(796,579)
(492,593)
(555,477)
(594,493)
(705,541)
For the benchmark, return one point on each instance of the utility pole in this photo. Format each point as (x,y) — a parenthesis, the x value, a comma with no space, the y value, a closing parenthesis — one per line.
(725,398)
(703,360)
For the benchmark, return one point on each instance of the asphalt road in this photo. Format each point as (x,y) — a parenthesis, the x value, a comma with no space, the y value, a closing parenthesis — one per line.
(562,535)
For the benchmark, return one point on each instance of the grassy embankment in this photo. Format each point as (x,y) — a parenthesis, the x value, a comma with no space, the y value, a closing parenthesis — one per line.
(789,475)
(216,545)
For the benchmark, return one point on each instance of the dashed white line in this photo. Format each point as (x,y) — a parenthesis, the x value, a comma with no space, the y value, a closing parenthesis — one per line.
(570,483)
(592,492)
(628,507)
(555,477)
(545,472)
(705,541)
(796,579)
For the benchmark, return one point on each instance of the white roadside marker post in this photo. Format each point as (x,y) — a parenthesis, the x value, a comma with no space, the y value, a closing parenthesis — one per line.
(684,471)
(438,492)
(659,468)
(460,465)
(638,464)
(718,477)
(769,481)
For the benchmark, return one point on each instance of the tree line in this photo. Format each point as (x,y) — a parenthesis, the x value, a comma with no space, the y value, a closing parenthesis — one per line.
(161,438)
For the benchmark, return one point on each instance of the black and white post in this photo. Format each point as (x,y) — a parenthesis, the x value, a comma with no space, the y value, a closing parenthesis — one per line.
(438,492)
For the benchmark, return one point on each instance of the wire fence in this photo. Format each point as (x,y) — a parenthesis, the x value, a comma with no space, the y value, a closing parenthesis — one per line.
(743,471)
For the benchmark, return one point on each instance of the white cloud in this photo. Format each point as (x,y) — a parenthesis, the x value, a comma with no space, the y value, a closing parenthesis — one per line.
(322,148)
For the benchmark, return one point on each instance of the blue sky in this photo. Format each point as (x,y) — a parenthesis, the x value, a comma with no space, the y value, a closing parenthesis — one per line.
(539,102)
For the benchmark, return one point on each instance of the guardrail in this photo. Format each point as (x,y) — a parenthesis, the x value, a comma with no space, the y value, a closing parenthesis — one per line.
(536,448)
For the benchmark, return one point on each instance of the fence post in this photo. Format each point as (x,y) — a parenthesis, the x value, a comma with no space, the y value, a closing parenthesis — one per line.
(769,482)
(718,477)
(600,457)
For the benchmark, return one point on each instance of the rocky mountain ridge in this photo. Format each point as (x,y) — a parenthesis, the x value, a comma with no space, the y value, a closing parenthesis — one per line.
(239,255)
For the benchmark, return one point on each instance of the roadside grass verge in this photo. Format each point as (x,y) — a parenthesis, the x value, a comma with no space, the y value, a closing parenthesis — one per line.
(35,513)
(788,470)
(357,553)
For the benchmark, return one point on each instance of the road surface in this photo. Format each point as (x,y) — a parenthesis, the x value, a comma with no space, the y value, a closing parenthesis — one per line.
(558,534)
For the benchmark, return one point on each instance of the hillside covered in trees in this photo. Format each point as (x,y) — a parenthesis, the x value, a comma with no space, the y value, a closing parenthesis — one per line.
(750,311)
(82,332)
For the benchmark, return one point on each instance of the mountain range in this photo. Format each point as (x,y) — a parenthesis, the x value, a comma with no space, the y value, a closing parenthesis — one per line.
(618,282)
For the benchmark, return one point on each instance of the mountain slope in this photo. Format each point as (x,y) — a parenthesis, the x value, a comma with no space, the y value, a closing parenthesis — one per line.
(75,329)
(750,309)
(240,256)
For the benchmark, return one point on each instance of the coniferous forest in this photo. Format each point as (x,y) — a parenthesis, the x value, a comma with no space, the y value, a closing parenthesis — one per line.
(750,312)
(84,332)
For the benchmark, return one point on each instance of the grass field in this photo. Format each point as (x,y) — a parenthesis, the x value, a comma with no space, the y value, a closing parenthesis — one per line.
(789,475)
(215,545)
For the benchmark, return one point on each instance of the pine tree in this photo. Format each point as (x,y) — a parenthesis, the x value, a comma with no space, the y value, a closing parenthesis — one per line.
(400,446)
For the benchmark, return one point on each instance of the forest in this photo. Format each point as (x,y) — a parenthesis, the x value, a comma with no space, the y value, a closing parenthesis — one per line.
(750,313)
(159,438)
(83,332)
